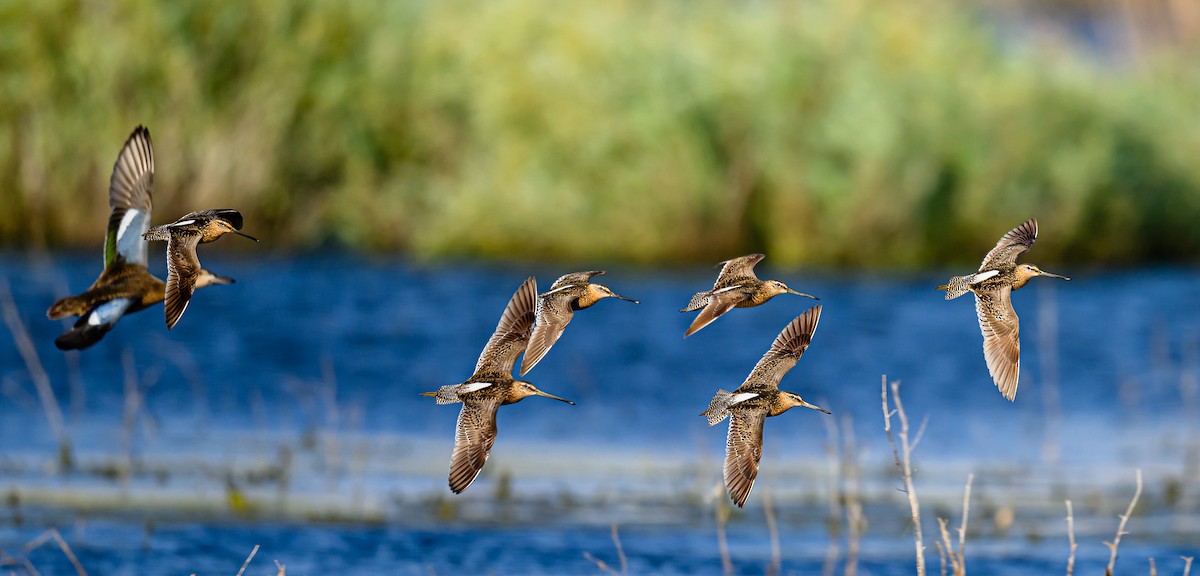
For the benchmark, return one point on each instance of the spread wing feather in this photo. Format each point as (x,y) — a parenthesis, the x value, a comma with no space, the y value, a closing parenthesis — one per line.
(129,196)
(1001,342)
(183,266)
(740,267)
(1012,244)
(553,315)
(719,303)
(787,349)
(575,278)
(743,450)
(473,440)
(512,333)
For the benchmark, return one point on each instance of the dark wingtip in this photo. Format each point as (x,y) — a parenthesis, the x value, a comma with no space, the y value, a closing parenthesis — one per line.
(81,337)
(233,217)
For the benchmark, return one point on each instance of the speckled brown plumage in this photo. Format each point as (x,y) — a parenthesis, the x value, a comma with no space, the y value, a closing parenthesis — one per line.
(557,306)
(736,287)
(126,285)
(489,387)
(757,398)
(184,274)
(992,285)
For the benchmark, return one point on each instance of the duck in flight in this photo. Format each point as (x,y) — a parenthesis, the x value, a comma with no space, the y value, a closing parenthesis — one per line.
(126,285)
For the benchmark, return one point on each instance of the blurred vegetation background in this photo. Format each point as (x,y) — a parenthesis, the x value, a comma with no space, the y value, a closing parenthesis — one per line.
(822,132)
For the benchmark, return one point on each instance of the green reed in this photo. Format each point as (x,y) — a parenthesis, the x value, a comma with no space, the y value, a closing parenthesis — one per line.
(832,133)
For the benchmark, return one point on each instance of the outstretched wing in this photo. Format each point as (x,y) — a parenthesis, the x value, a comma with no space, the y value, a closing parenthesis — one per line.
(741,267)
(512,333)
(1001,338)
(787,349)
(473,440)
(1017,240)
(129,197)
(553,314)
(719,303)
(743,450)
(183,266)
(575,278)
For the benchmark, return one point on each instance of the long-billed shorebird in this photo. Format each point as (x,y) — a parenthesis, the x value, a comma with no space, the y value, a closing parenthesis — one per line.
(736,287)
(556,307)
(756,399)
(126,285)
(183,266)
(489,388)
(993,284)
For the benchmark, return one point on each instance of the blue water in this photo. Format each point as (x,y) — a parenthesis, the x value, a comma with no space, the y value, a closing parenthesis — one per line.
(309,370)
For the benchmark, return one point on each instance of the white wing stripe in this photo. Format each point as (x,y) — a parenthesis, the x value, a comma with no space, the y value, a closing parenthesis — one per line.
(742,397)
(473,386)
(130,244)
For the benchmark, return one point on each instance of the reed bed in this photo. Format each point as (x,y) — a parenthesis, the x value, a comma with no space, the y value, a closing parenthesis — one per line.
(832,133)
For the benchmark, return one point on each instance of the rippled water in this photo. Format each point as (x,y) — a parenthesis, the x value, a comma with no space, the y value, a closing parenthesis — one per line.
(284,411)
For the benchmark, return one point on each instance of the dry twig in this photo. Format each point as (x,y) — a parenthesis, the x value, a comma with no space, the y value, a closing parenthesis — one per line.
(776,564)
(248,559)
(1112,560)
(722,512)
(37,373)
(602,565)
(53,535)
(903,458)
(1071,539)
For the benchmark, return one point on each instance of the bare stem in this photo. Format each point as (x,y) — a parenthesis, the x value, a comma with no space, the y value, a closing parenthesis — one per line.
(836,488)
(37,373)
(945,549)
(1187,565)
(616,538)
(722,544)
(776,564)
(1071,539)
(854,508)
(602,565)
(53,535)
(248,559)
(903,458)
(962,530)
(1112,560)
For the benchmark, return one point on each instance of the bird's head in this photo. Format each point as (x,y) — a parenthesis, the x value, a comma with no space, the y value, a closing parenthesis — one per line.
(776,288)
(522,389)
(600,291)
(792,400)
(1027,271)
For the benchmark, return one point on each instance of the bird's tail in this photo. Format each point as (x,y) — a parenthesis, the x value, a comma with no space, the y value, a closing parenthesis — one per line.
(445,395)
(157,234)
(699,300)
(957,286)
(718,409)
